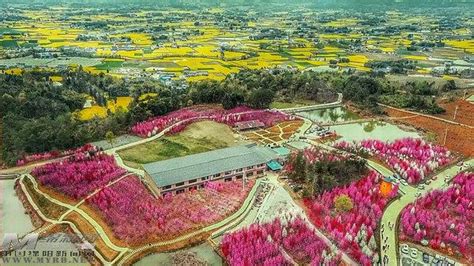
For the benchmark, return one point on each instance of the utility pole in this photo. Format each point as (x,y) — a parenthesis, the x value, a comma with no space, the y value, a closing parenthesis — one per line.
(455,112)
(445,135)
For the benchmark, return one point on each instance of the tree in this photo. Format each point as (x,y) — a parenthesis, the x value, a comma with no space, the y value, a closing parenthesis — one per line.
(110,136)
(232,99)
(261,98)
(299,171)
(450,85)
(343,203)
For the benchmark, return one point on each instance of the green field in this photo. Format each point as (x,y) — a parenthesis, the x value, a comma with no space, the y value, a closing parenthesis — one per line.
(109,65)
(198,137)
(8,43)
(9,31)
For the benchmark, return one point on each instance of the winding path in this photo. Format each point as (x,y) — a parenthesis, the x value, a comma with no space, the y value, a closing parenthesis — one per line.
(56,222)
(76,209)
(314,107)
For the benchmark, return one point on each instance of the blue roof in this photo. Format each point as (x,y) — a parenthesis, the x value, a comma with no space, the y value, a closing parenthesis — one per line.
(274,165)
(282,151)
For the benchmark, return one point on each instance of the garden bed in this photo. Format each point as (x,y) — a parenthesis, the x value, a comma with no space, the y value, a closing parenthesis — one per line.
(279,132)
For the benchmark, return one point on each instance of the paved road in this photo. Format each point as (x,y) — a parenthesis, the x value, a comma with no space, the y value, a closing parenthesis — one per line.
(393,211)
(314,107)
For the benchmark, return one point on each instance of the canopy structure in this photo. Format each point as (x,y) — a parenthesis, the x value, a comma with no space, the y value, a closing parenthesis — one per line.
(274,166)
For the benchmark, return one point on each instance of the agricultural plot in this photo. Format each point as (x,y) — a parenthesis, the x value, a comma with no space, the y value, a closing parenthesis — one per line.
(455,137)
(97,111)
(277,133)
(463,110)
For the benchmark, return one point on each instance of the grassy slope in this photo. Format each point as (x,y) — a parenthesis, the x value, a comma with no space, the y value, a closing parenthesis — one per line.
(198,137)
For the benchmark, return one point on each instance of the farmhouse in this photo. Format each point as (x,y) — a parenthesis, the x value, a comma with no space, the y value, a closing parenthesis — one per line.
(193,171)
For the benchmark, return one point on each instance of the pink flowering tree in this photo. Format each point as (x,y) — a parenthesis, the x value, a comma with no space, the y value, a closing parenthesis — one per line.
(177,121)
(80,174)
(277,243)
(53,154)
(352,230)
(444,219)
(412,158)
(136,217)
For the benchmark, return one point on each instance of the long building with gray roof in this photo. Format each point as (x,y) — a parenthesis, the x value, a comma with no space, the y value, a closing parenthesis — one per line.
(191,172)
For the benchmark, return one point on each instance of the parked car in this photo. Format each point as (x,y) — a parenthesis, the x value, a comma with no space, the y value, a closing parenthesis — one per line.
(414,253)
(426,257)
(435,262)
(405,249)
(404,182)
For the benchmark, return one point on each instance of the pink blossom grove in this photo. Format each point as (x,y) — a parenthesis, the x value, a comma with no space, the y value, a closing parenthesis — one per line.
(79,175)
(443,218)
(137,217)
(176,121)
(412,158)
(277,243)
(53,154)
(353,231)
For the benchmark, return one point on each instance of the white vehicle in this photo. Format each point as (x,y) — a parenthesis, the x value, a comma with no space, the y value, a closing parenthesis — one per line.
(450,261)
(414,253)
(405,249)
(404,182)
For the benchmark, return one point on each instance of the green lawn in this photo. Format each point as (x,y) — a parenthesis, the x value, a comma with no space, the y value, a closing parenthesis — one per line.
(198,137)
